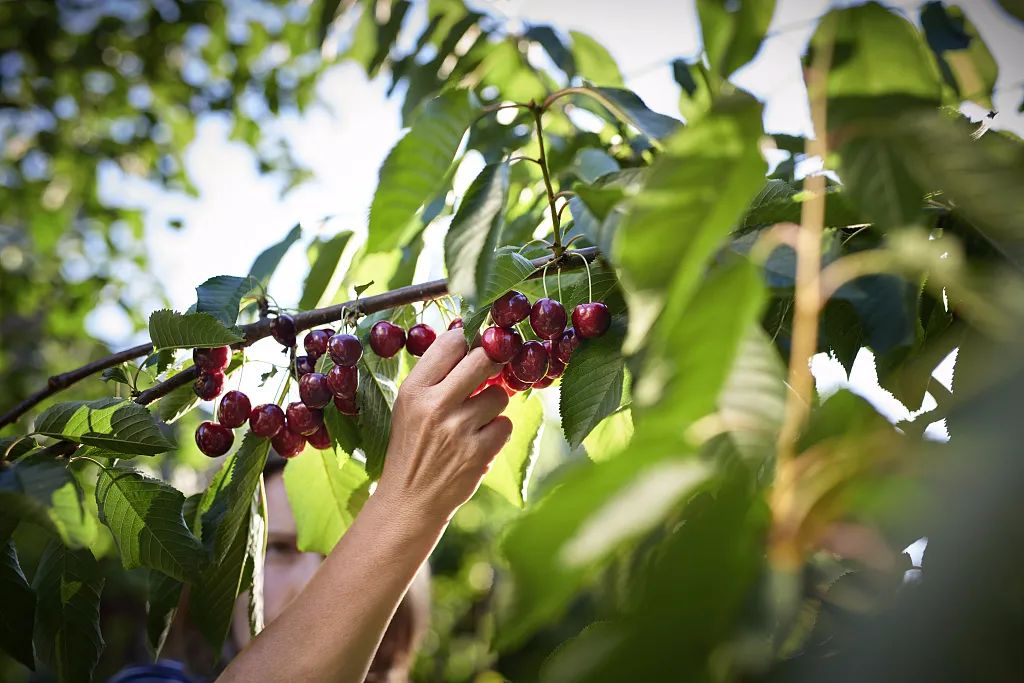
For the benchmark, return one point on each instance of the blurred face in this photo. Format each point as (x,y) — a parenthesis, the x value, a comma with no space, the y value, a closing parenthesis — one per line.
(287,571)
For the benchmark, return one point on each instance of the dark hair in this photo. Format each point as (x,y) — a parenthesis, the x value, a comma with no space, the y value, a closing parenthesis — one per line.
(275,464)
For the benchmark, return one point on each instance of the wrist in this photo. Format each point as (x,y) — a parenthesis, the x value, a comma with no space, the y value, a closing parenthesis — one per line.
(413,510)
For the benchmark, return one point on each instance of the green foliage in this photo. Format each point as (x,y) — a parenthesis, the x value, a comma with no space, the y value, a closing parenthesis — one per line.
(474,233)
(510,472)
(326,492)
(732,35)
(116,425)
(19,613)
(266,263)
(376,396)
(592,384)
(224,507)
(593,61)
(625,105)
(324,269)
(221,295)
(173,330)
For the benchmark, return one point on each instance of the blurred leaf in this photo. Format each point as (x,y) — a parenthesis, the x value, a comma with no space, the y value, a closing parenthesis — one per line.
(877,178)
(596,214)
(1013,7)
(114,424)
(510,471)
(591,163)
(39,489)
(696,97)
(172,330)
(625,105)
(592,384)
(266,263)
(505,67)
(733,31)
(964,59)
(18,615)
(470,242)
(161,606)
(328,11)
(13,447)
(221,295)
(376,395)
(322,273)
(546,37)
(226,507)
(593,61)
(610,436)
(324,493)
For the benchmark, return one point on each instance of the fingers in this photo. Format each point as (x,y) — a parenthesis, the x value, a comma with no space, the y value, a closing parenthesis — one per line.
(443,355)
(468,374)
(485,406)
(493,436)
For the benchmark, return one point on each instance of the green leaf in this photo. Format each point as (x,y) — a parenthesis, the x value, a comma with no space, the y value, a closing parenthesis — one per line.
(591,163)
(18,615)
(226,505)
(221,295)
(117,425)
(68,584)
(505,67)
(596,214)
(733,31)
(610,436)
(474,232)
(325,491)
(376,395)
(509,269)
(627,106)
(878,180)
(1013,7)
(546,37)
(13,447)
(415,169)
(144,516)
(318,290)
(212,597)
(40,490)
(116,374)
(344,429)
(510,472)
(594,62)
(172,330)
(266,263)
(964,59)
(161,606)
(592,384)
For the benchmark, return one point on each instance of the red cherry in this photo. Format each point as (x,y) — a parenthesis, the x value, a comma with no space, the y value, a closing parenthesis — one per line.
(457,323)
(547,318)
(315,342)
(345,349)
(211,360)
(386,339)
(266,420)
(288,444)
(346,405)
(234,409)
(510,308)
(566,343)
(282,328)
(313,390)
(302,419)
(511,382)
(320,439)
(555,365)
(208,385)
(530,363)
(591,320)
(500,344)
(544,383)
(304,365)
(213,439)
(420,338)
(342,381)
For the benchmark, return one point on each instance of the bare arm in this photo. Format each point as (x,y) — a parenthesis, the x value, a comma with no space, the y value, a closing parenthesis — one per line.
(441,446)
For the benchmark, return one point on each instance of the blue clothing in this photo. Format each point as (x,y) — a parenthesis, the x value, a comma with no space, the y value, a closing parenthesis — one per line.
(163,671)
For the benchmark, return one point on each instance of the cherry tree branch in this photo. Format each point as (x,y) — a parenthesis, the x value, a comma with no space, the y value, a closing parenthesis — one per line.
(260,329)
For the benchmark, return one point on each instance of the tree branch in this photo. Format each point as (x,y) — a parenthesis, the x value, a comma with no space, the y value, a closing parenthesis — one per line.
(260,329)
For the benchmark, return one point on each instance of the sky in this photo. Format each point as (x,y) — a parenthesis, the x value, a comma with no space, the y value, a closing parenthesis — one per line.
(344,138)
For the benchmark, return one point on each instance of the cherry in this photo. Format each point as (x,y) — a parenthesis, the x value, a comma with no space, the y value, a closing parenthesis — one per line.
(315,342)
(313,390)
(591,320)
(510,308)
(421,336)
(547,318)
(302,419)
(500,344)
(266,420)
(386,339)
(342,381)
(530,363)
(282,328)
(555,365)
(213,439)
(457,323)
(511,382)
(210,360)
(346,405)
(208,385)
(544,383)
(320,439)
(234,409)
(304,365)
(566,343)
(288,444)
(345,349)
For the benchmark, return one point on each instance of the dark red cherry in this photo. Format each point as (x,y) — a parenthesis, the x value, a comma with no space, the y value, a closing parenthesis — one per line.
(210,360)
(315,342)
(420,338)
(555,365)
(302,419)
(313,390)
(304,365)
(591,320)
(342,381)
(208,385)
(345,349)
(457,323)
(500,344)
(386,339)
(282,328)
(346,405)
(511,382)
(213,439)
(288,444)
(234,409)
(530,363)
(544,383)
(510,308)
(566,343)
(320,439)
(547,318)
(266,420)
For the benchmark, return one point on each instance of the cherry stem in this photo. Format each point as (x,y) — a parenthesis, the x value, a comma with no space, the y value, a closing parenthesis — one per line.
(590,284)
(557,246)
(544,278)
(558,277)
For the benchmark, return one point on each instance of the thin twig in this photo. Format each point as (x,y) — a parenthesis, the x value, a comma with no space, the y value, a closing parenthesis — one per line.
(537,113)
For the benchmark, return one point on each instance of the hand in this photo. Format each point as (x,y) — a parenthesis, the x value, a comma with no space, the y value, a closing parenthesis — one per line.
(442,441)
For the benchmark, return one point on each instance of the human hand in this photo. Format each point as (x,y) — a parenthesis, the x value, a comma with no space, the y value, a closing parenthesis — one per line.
(442,442)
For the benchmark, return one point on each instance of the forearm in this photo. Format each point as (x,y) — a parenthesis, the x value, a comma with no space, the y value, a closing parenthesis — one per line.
(332,629)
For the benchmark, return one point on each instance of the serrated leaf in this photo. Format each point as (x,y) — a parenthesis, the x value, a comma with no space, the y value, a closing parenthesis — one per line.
(474,232)
(376,396)
(221,295)
(416,167)
(343,429)
(145,518)
(172,330)
(592,383)
(40,490)
(226,503)
(68,584)
(212,597)
(508,270)
(317,290)
(610,436)
(510,472)
(732,32)
(116,374)
(17,618)
(256,550)
(324,495)
(627,106)
(163,597)
(593,61)
(266,263)
(117,425)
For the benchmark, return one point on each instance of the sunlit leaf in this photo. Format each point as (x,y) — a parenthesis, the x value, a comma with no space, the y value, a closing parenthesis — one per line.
(226,503)
(510,472)
(627,106)
(172,330)
(221,295)
(733,32)
(266,263)
(610,436)
(594,62)
(325,491)
(964,59)
(115,424)
(375,396)
(474,232)
(592,384)
(322,274)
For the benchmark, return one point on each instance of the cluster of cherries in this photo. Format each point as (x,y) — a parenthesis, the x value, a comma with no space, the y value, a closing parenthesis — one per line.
(536,364)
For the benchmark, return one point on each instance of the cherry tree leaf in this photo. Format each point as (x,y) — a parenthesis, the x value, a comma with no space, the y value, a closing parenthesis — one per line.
(592,383)
(221,296)
(266,263)
(474,232)
(510,472)
(172,330)
(325,491)
(18,615)
(117,425)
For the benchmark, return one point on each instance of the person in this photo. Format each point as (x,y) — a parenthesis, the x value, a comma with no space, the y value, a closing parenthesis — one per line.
(441,445)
